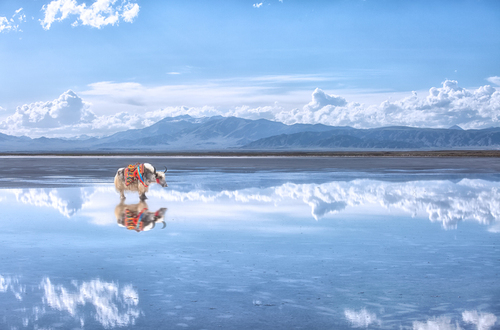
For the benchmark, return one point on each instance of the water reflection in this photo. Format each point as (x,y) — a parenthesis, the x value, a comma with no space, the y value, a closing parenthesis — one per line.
(479,320)
(113,306)
(361,318)
(107,303)
(67,201)
(11,284)
(443,201)
(138,217)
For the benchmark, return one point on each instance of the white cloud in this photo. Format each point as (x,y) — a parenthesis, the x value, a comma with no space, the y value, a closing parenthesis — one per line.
(98,14)
(130,11)
(258,97)
(494,80)
(112,107)
(211,94)
(443,107)
(361,318)
(67,111)
(12,24)
(257,5)
(221,98)
(70,115)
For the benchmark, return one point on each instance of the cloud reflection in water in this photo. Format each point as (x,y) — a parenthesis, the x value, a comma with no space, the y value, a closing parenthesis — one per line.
(12,284)
(480,321)
(441,201)
(105,302)
(113,306)
(361,319)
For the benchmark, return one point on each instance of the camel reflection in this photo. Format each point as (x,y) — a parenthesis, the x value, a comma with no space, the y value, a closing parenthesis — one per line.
(137,216)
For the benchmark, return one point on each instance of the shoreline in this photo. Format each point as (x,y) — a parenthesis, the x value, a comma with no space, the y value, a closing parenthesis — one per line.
(397,154)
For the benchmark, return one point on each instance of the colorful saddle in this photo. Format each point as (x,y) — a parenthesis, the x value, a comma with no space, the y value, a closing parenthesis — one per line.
(133,220)
(133,173)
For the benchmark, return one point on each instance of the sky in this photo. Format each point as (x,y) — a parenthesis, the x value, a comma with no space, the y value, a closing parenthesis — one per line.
(74,67)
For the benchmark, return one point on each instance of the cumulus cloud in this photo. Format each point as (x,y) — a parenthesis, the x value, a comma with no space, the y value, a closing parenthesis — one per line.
(12,23)
(120,106)
(70,115)
(98,14)
(69,110)
(257,5)
(443,107)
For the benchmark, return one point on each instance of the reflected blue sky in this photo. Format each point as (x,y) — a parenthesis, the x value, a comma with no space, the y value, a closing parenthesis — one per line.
(361,253)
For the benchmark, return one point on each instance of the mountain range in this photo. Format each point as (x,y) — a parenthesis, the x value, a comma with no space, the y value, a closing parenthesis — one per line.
(185,133)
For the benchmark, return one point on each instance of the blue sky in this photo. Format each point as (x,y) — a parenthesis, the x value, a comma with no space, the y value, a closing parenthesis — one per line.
(110,65)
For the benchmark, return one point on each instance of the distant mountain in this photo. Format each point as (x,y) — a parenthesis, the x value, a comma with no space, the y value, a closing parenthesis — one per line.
(185,133)
(213,133)
(383,138)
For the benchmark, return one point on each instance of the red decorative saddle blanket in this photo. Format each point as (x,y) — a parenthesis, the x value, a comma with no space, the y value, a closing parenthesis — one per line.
(133,173)
(133,220)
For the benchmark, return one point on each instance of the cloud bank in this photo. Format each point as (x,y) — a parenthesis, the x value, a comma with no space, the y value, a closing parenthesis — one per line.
(98,14)
(443,107)
(67,112)
(71,115)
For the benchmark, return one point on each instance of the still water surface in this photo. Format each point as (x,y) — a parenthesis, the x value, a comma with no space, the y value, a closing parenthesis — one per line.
(321,248)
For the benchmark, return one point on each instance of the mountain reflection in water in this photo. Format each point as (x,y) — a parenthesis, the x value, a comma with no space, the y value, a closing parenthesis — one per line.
(443,201)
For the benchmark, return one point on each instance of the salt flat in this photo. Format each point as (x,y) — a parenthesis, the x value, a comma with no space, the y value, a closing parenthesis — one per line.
(253,243)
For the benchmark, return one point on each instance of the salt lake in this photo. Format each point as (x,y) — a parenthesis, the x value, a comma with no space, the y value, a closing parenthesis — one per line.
(253,243)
